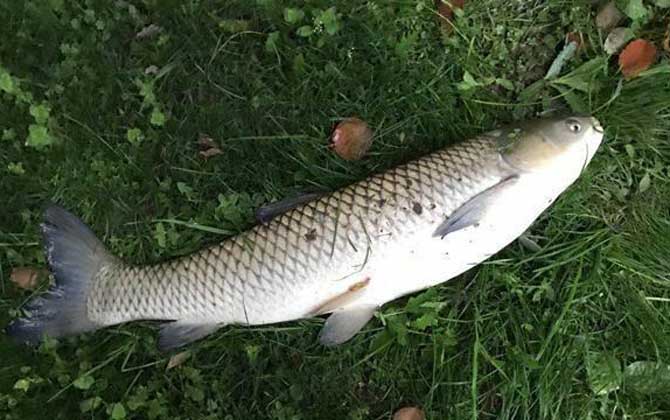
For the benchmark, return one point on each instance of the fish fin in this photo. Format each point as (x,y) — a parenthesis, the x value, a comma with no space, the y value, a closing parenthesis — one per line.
(179,333)
(473,211)
(269,211)
(342,299)
(342,325)
(74,256)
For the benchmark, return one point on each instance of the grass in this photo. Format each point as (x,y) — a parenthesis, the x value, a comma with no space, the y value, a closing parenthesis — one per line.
(578,329)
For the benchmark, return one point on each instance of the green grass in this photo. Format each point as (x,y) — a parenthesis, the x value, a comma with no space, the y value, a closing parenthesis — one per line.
(547,334)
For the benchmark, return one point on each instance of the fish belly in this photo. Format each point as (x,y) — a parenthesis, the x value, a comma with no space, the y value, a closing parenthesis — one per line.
(424,260)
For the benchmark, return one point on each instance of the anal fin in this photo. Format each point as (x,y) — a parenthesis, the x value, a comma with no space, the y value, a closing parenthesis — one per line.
(344,324)
(179,333)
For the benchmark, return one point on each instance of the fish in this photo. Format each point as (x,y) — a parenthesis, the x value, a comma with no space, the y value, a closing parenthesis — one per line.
(345,253)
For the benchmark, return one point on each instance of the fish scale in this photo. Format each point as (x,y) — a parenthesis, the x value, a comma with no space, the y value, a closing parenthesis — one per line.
(245,278)
(345,253)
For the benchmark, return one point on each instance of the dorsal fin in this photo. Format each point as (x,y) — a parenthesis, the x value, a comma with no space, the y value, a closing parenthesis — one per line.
(269,211)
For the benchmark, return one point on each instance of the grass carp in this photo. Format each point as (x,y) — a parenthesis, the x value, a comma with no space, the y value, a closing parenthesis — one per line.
(345,253)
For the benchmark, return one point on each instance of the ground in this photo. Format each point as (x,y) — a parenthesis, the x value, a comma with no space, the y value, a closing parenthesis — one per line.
(102,112)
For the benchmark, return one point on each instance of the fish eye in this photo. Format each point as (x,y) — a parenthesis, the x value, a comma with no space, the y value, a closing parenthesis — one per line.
(573,125)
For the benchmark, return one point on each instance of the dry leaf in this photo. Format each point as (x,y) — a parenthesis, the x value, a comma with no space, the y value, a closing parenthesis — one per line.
(351,138)
(577,38)
(210,152)
(637,57)
(208,146)
(26,277)
(666,40)
(409,413)
(178,359)
(617,39)
(205,141)
(608,17)
(148,31)
(445,11)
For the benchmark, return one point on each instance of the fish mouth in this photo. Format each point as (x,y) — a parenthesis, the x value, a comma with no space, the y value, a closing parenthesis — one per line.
(591,144)
(597,127)
(587,158)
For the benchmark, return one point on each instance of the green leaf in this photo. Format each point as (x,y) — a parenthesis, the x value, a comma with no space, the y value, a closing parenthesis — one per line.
(194,393)
(139,399)
(662,3)
(630,150)
(604,373)
(422,303)
(329,20)
(531,92)
(468,82)
(134,135)
(507,84)
(525,359)
(8,134)
(157,409)
(381,341)
(636,10)
(299,63)
(90,404)
(40,113)
(582,78)
(15,168)
(160,235)
(146,92)
(406,45)
(185,189)
(84,382)
(446,338)
(426,320)
(157,117)
(38,136)
(645,183)
(396,326)
(252,352)
(118,412)
(22,385)
(6,81)
(234,25)
(575,102)
(56,5)
(292,15)
(305,31)
(271,42)
(647,377)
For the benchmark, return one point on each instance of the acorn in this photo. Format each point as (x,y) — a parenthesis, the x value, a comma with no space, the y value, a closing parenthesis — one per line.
(409,413)
(351,138)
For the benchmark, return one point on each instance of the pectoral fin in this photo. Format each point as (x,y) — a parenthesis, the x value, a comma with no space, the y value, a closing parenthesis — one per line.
(180,333)
(344,324)
(269,211)
(473,211)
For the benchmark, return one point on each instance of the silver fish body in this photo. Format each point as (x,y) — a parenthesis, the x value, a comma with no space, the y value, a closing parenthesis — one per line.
(345,253)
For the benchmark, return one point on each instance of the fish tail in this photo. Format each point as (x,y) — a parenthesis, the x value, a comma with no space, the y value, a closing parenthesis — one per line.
(75,256)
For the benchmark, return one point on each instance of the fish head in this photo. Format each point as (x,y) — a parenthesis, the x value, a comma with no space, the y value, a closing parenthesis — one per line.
(566,144)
